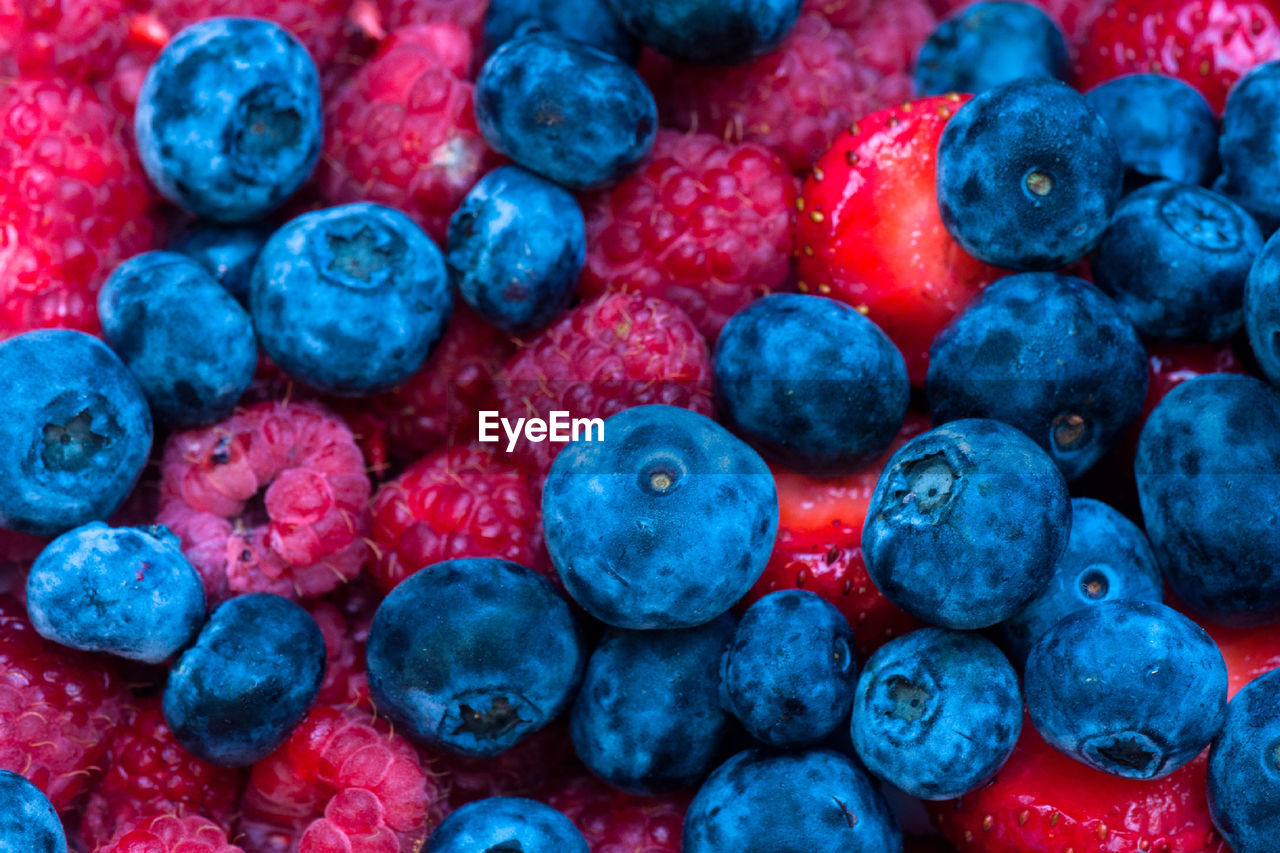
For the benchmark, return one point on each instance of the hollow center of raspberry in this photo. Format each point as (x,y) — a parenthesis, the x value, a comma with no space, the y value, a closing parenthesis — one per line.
(910,700)
(1039,183)
(500,719)
(70,445)
(360,256)
(268,123)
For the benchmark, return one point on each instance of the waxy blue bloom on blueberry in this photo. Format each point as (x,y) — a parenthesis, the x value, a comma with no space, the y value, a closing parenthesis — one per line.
(989,43)
(511,824)
(1250,144)
(714,32)
(227,252)
(28,822)
(588,21)
(1262,309)
(1244,765)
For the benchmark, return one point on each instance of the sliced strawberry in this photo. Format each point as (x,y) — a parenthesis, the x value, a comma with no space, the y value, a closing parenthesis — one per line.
(869,233)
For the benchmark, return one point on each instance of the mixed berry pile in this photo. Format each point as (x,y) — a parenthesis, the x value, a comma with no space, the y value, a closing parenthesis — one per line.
(640,426)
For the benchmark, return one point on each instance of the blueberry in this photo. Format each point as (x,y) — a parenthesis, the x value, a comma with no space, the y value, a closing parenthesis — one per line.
(810,382)
(250,678)
(789,672)
(990,43)
(75,431)
(591,22)
(565,110)
(28,822)
(713,32)
(1107,558)
(1244,766)
(1208,471)
(183,336)
(1165,129)
(936,712)
(1049,354)
(648,718)
(1250,144)
(128,591)
(1128,687)
(965,524)
(506,825)
(1262,309)
(1175,259)
(664,523)
(227,252)
(1028,175)
(228,121)
(516,247)
(814,801)
(350,299)
(472,655)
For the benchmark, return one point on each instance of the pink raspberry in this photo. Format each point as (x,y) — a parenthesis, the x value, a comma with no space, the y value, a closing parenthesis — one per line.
(171,833)
(272,499)
(468,15)
(318,24)
(704,224)
(79,39)
(887,33)
(614,822)
(344,619)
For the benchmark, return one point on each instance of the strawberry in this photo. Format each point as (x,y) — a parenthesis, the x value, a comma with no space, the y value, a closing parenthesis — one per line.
(869,233)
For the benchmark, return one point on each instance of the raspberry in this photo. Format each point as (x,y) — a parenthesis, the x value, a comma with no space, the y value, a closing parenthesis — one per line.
(887,33)
(468,15)
(704,224)
(618,351)
(614,822)
(56,708)
(76,38)
(147,772)
(528,767)
(318,24)
(345,626)
(272,499)
(73,204)
(402,131)
(166,833)
(338,779)
(457,502)
(793,100)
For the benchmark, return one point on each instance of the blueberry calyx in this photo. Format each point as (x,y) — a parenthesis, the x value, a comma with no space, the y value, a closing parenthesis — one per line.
(69,446)
(501,718)
(1070,431)
(360,260)
(1038,183)
(928,484)
(1125,751)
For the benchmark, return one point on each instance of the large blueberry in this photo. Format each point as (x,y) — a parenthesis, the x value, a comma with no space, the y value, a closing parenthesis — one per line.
(664,523)
(563,109)
(1163,127)
(810,382)
(186,340)
(516,247)
(1208,470)
(990,43)
(1028,175)
(250,678)
(1244,768)
(715,32)
(588,21)
(75,431)
(472,655)
(815,801)
(1262,309)
(1175,259)
(648,718)
(1129,687)
(506,825)
(227,252)
(1250,144)
(350,299)
(966,523)
(789,673)
(936,712)
(228,121)
(1107,558)
(125,590)
(28,822)
(1049,354)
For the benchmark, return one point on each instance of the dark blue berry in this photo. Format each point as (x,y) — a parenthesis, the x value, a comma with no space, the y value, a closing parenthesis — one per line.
(664,523)
(563,109)
(472,655)
(817,801)
(186,340)
(1250,144)
(128,591)
(1049,354)
(1107,558)
(506,825)
(789,673)
(1262,309)
(966,523)
(1244,768)
(253,673)
(990,43)
(936,712)
(588,21)
(75,431)
(714,32)
(648,718)
(1131,688)
(1164,128)
(350,299)
(1028,175)
(227,252)
(28,822)
(1208,471)
(516,247)
(810,382)
(228,121)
